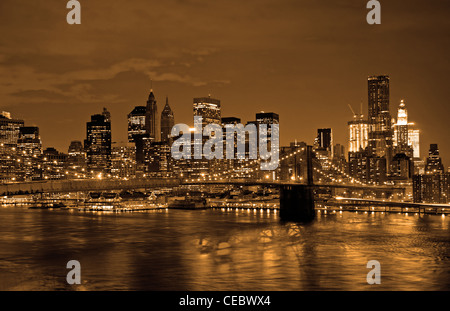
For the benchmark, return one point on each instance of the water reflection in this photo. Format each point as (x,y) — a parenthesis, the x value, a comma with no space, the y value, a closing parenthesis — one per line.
(222,250)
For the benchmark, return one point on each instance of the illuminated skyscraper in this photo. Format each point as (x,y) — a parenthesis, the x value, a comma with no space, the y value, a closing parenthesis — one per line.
(167,122)
(29,147)
(98,144)
(380,131)
(136,123)
(209,109)
(434,162)
(9,129)
(358,134)
(414,142)
(152,118)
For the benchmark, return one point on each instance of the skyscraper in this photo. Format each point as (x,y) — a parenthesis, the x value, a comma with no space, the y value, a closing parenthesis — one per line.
(76,160)
(151,118)
(434,162)
(167,122)
(136,123)
(414,142)
(325,138)
(380,132)
(29,147)
(98,144)
(401,141)
(9,129)
(358,133)
(209,109)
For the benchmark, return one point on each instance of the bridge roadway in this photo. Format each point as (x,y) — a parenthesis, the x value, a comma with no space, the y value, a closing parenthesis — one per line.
(390,203)
(249,182)
(75,185)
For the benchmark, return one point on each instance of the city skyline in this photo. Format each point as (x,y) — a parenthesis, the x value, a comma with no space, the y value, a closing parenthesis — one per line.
(150,113)
(311,67)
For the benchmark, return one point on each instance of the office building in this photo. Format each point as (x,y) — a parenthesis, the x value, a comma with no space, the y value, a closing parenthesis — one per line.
(167,123)
(98,145)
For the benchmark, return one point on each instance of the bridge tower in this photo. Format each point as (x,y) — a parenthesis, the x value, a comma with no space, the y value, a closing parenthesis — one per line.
(297,200)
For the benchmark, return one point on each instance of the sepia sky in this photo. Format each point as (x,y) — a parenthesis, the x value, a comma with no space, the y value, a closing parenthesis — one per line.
(306,60)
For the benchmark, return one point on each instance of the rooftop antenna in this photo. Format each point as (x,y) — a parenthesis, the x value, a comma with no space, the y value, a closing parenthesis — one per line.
(361,108)
(151,85)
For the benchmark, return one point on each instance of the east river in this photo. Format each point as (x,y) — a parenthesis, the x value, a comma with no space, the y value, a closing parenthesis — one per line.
(221,250)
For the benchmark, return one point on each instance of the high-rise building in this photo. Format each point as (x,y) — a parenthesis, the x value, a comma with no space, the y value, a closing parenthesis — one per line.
(325,138)
(9,129)
(380,129)
(123,160)
(76,160)
(209,109)
(434,188)
(358,133)
(324,143)
(107,115)
(414,142)
(29,147)
(152,118)
(401,131)
(167,122)
(98,145)
(136,123)
(434,162)
(54,164)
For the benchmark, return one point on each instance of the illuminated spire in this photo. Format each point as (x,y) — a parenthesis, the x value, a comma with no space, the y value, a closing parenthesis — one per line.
(402,115)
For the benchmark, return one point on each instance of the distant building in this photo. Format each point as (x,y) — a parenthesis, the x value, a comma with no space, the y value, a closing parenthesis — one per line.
(380,129)
(414,142)
(358,133)
(123,160)
(401,141)
(76,160)
(29,147)
(98,145)
(431,188)
(402,167)
(209,109)
(157,159)
(10,161)
(9,129)
(136,123)
(167,123)
(324,143)
(54,164)
(434,162)
(152,118)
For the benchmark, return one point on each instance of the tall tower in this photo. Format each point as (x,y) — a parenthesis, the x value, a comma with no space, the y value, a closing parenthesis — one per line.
(98,144)
(358,133)
(434,162)
(380,131)
(209,109)
(136,123)
(167,122)
(401,129)
(151,119)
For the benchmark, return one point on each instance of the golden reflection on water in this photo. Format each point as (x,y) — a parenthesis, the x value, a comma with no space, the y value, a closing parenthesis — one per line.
(222,250)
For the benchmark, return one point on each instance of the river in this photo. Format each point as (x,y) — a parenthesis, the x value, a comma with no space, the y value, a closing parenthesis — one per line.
(221,250)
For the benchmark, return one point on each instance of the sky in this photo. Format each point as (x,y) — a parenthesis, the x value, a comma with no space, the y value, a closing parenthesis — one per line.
(305,60)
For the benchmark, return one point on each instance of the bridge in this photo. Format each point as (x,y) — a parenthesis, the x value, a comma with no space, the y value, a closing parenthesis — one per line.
(297,201)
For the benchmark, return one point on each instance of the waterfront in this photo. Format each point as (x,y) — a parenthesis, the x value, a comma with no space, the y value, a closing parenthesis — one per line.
(221,250)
